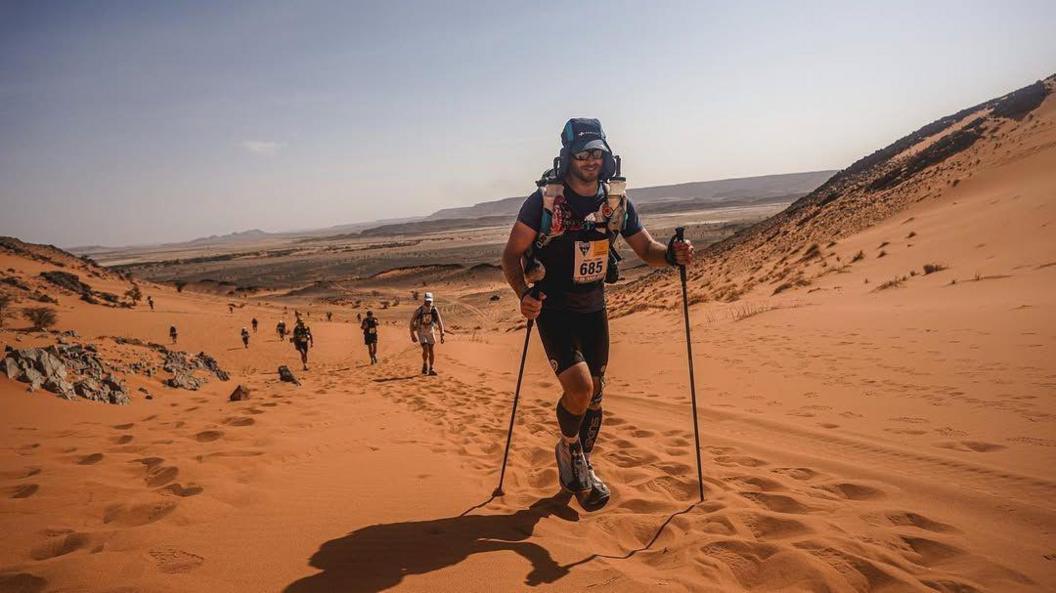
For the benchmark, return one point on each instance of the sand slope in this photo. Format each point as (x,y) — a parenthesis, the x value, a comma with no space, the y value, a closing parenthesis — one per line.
(853,438)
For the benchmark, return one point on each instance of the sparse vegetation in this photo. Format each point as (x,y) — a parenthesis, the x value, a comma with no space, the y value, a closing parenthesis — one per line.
(858,256)
(134,294)
(746,310)
(893,283)
(5,306)
(932,268)
(40,317)
(179,285)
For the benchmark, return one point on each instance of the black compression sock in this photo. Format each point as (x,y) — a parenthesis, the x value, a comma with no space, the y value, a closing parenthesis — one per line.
(588,431)
(568,421)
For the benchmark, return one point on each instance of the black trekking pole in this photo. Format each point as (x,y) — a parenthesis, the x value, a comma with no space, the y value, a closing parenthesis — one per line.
(516,395)
(680,237)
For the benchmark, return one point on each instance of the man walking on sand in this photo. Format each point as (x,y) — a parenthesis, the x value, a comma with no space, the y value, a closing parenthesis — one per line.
(302,340)
(585,216)
(172,333)
(370,336)
(245,338)
(422,322)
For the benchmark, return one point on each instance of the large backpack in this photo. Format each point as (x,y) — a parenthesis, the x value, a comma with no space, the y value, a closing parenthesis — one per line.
(612,215)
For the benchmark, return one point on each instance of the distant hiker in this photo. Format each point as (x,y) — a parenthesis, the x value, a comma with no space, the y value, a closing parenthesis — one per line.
(280,328)
(563,241)
(370,336)
(302,340)
(230,308)
(359,317)
(150,301)
(329,315)
(172,333)
(245,337)
(254,324)
(422,322)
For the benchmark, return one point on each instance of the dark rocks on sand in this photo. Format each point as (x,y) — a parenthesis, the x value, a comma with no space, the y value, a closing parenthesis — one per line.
(241,393)
(183,380)
(51,368)
(286,374)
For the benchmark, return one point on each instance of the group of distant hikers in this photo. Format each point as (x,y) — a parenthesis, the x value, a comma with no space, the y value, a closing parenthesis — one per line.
(558,258)
(425,322)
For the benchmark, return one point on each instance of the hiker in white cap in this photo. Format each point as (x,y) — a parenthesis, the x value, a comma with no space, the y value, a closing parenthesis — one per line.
(422,322)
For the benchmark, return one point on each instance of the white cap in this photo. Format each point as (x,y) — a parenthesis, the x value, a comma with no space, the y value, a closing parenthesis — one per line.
(429,297)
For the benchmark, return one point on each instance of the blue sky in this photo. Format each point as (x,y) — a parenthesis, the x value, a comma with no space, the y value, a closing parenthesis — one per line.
(138,122)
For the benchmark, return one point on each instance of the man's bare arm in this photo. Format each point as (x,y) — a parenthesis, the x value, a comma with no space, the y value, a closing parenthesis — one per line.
(521,238)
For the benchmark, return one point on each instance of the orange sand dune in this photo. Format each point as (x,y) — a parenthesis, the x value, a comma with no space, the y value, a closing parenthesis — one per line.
(854,439)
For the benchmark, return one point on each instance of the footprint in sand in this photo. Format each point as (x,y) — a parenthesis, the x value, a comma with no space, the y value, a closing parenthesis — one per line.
(22,582)
(797,473)
(239,421)
(26,472)
(123,439)
(175,561)
(852,491)
(971,446)
(60,546)
(23,490)
(90,459)
(208,436)
(134,515)
(182,491)
(779,503)
(731,460)
(911,519)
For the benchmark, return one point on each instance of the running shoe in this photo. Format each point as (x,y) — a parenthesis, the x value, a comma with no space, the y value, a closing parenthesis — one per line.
(572,469)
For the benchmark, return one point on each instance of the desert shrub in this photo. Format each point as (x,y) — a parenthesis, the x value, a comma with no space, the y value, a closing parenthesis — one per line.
(179,285)
(134,294)
(40,317)
(932,268)
(893,283)
(858,256)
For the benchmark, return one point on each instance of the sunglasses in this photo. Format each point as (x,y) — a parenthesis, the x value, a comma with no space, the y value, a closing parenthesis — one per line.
(588,154)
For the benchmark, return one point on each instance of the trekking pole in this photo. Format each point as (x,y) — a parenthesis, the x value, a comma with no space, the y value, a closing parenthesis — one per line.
(680,237)
(516,395)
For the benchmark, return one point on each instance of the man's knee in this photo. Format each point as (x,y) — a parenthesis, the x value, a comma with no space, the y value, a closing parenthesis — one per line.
(598,393)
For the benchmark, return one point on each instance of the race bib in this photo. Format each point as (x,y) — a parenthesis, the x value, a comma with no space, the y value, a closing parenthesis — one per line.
(427,319)
(592,260)
(372,330)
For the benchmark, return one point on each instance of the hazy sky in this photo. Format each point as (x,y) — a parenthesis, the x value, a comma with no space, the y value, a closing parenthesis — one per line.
(132,122)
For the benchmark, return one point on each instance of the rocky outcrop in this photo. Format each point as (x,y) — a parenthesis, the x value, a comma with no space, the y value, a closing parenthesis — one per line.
(69,371)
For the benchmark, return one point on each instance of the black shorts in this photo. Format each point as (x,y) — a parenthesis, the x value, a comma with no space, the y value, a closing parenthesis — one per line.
(301,346)
(570,338)
(370,338)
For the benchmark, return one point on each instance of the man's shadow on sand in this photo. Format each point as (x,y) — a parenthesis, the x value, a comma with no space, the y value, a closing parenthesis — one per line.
(378,557)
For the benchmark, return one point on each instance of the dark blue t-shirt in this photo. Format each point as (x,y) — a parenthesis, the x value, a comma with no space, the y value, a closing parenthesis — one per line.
(575,276)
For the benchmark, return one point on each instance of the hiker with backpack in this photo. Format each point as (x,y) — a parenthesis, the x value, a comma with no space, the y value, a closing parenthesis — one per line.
(172,333)
(424,319)
(302,340)
(564,244)
(370,335)
(280,328)
(245,338)
(254,323)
